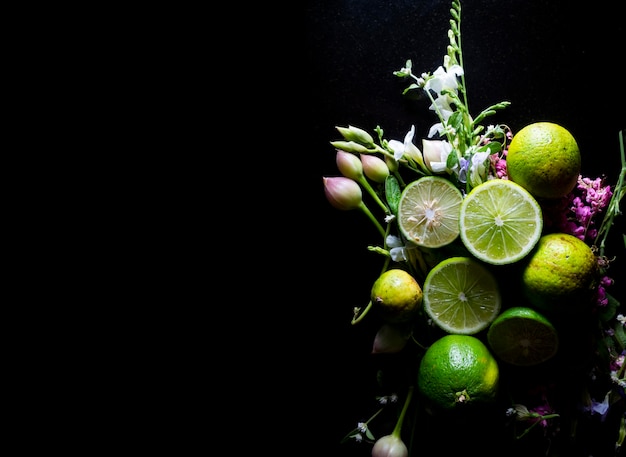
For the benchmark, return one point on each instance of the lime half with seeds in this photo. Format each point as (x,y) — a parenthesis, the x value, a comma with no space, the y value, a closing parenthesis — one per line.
(500,222)
(428,212)
(461,296)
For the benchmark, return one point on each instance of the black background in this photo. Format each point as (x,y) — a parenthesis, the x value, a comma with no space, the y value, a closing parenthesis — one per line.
(555,61)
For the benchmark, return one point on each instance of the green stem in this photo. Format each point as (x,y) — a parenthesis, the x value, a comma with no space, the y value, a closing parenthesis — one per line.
(539,419)
(356,319)
(398,428)
(356,430)
(370,190)
(613,208)
(369,214)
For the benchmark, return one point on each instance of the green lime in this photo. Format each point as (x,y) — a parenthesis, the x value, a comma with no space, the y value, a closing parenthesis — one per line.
(560,274)
(544,158)
(500,222)
(522,336)
(457,370)
(397,295)
(428,211)
(461,296)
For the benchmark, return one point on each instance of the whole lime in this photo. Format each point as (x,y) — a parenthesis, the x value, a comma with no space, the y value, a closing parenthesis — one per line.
(458,370)
(544,158)
(560,274)
(397,295)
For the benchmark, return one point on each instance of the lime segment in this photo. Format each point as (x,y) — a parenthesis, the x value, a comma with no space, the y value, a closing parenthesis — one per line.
(521,336)
(500,222)
(461,296)
(428,212)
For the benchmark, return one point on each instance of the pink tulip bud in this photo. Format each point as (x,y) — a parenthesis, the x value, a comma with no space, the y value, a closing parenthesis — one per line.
(375,168)
(390,339)
(349,165)
(343,193)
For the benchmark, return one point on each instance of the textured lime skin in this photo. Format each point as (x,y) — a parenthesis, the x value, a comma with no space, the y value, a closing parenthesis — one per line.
(560,274)
(544,158)
(397,295)
(458,370)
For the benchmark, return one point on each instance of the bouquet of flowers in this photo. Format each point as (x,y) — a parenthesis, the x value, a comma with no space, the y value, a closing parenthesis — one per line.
(495,285)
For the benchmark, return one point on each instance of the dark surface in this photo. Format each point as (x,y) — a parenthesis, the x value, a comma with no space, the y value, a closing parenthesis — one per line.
(555,61)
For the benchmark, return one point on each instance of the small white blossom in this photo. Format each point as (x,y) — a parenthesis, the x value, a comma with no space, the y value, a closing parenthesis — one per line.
(397,250)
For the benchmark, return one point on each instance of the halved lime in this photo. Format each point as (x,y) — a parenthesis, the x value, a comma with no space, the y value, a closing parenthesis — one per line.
(522,336)
(461,296)
(500,221)
(428,211)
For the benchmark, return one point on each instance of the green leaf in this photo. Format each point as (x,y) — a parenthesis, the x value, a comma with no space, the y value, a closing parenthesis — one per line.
(393,193)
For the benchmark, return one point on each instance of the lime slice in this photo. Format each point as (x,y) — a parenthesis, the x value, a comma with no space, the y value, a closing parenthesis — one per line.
(461,296)
(522,336)
(500,222)
(428,211)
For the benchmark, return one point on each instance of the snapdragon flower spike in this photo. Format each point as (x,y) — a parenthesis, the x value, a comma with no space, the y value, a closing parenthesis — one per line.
(374,168)
(343,193)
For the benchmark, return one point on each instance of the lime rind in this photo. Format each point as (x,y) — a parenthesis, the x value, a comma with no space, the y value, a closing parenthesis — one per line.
(523,337)
(428,212)
(461,296)
(500,222)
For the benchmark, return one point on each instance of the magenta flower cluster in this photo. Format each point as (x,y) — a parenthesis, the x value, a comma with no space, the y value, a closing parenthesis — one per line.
(587,201)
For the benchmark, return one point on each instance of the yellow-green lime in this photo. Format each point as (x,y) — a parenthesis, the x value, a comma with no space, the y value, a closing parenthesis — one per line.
(428,211)
(461,296)
(522,336)
(544,158)
(561,274)
(397,295)
(500,222)
(458,370)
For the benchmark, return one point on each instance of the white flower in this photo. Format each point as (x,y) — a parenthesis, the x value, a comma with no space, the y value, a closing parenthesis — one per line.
(436,154)
(435,129)
(442,106)
(441,79)
(478,170)
(397,250)
(408,148)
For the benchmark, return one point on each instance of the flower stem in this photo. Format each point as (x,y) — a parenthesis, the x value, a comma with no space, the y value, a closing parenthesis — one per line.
(407,401)
(613,208)
(370,190)
(538,421)
(359,317)
(369,214)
